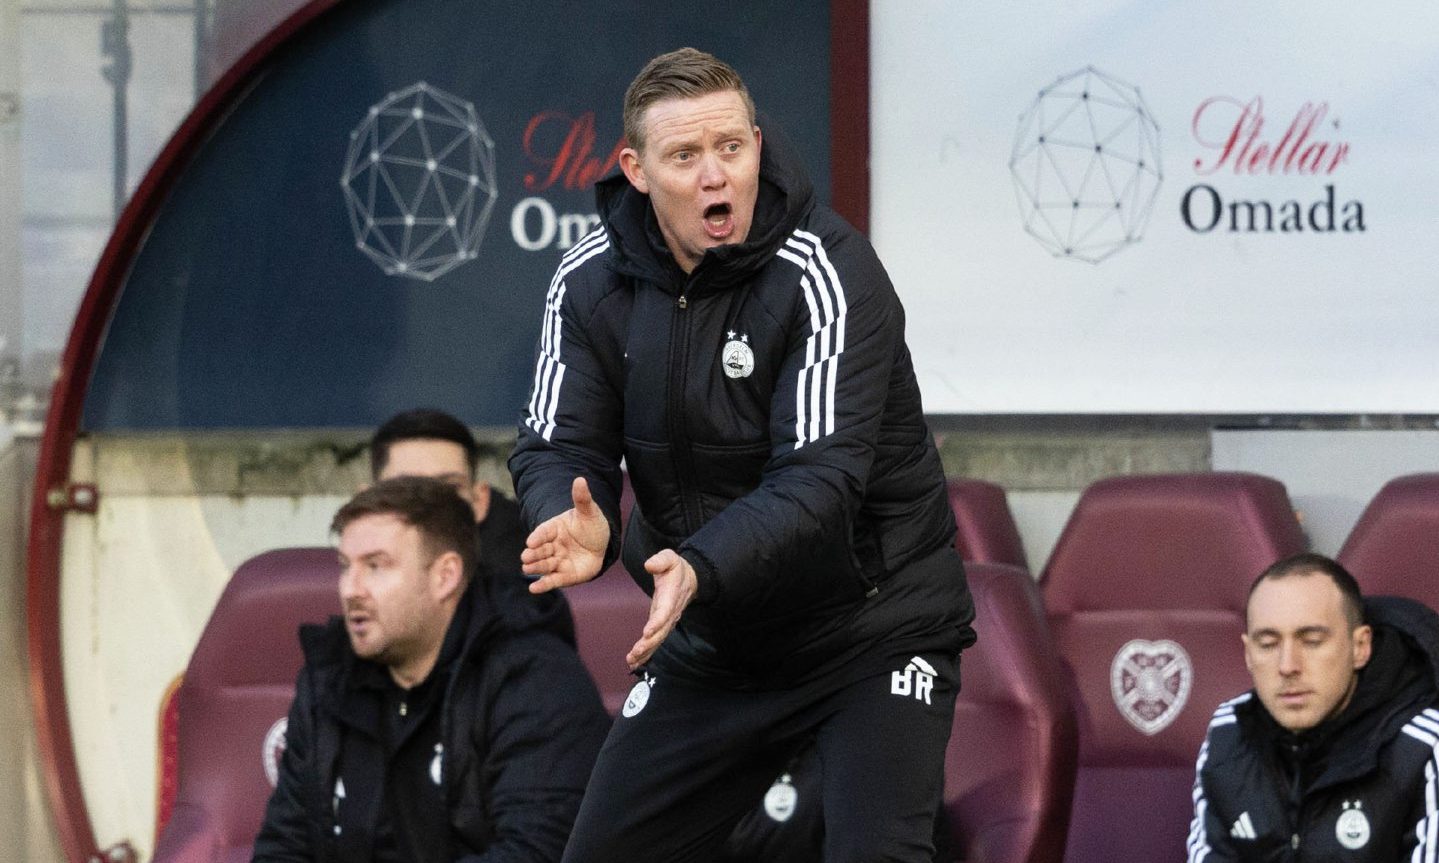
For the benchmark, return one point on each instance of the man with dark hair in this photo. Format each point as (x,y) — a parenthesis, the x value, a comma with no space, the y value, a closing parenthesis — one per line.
(741,348)
(432,443)
(1333,754)
(425,726)
(428,442)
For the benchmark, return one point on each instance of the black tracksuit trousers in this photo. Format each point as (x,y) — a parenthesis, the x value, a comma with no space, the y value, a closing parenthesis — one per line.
(685,761)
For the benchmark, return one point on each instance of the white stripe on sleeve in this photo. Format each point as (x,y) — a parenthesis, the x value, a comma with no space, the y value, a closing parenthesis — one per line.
(828,313)
(549,369)
(1426,833)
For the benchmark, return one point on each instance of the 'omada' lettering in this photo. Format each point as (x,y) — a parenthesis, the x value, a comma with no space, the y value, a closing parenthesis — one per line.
(536,226)
(1203,210)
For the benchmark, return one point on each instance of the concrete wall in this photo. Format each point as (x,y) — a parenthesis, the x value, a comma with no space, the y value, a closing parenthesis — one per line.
(24,818)
(1331,474)
(12,641)
(10,189)
(24,813)
(1044,463)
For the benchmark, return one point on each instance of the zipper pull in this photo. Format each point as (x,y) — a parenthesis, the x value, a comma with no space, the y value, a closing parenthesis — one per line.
(404,708)
(682,302)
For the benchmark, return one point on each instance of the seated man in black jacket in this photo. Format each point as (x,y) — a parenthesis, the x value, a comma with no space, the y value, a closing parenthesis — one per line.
(426,442)
(425,725)
(1333,754)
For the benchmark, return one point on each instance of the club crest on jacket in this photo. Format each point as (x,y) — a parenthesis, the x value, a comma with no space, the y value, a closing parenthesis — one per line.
(737,357)
(639,697)
(1352,828)
(780,800)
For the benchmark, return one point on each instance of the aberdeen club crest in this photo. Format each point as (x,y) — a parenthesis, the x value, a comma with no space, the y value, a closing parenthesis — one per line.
(737,358)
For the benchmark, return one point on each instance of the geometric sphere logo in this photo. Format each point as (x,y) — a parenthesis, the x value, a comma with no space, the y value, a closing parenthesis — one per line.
(1086,166)
(419,182)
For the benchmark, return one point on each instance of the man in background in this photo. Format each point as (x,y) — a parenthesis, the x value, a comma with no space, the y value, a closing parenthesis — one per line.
(432,443)
(426,725)
(1333,754)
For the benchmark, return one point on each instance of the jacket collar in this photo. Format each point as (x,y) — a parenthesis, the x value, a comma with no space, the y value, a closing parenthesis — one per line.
(327,646)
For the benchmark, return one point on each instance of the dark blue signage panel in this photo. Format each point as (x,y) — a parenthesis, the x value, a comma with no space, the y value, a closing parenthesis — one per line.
(374,224)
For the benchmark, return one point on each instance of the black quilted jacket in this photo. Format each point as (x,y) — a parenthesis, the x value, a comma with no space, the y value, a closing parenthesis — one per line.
(1360,787)
(767,411)
(521,727)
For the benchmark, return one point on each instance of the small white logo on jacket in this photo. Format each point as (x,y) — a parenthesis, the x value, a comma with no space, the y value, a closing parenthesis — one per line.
(273,749)
(781,799)
(917,678)
(737,358)
(1352,828)
(639,697)
(1243,828)
(335,801)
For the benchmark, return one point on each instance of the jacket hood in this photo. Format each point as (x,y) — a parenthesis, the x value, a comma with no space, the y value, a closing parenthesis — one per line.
(1416,624)
(1401,679)
(785,197)
(1402,676)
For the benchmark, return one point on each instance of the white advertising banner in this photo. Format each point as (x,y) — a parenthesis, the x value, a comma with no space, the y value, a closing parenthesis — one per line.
(1217,207)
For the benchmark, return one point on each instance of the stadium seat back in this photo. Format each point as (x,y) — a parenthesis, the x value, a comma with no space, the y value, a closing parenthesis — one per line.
(1394,547)
(1010,766)
(987,531)
(233,699)
(1145,594)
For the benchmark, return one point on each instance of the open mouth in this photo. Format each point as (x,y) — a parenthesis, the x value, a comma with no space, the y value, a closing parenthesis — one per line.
(718,221)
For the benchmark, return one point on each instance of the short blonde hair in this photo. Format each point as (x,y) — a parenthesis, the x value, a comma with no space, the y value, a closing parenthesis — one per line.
(679,74)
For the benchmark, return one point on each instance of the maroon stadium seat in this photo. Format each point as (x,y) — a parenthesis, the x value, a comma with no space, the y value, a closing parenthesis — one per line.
(987,532)
(233,699)
(1145,595)
(1009,770)
(1394,548)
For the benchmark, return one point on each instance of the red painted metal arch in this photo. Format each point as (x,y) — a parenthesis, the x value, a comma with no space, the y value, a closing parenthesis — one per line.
(60,772)
(849,168)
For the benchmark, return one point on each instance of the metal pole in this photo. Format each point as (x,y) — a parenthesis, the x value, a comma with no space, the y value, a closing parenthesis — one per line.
(115,44)
(202,35)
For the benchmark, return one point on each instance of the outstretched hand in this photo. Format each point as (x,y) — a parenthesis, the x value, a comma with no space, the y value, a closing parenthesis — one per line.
(569,548)
(675,587)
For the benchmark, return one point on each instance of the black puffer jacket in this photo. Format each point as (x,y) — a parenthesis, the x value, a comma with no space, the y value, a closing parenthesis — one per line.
(521,725)
(767,410)
(501,538)
(1360,787)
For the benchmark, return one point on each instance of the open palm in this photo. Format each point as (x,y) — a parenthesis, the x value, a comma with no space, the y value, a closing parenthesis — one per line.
(569,548)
